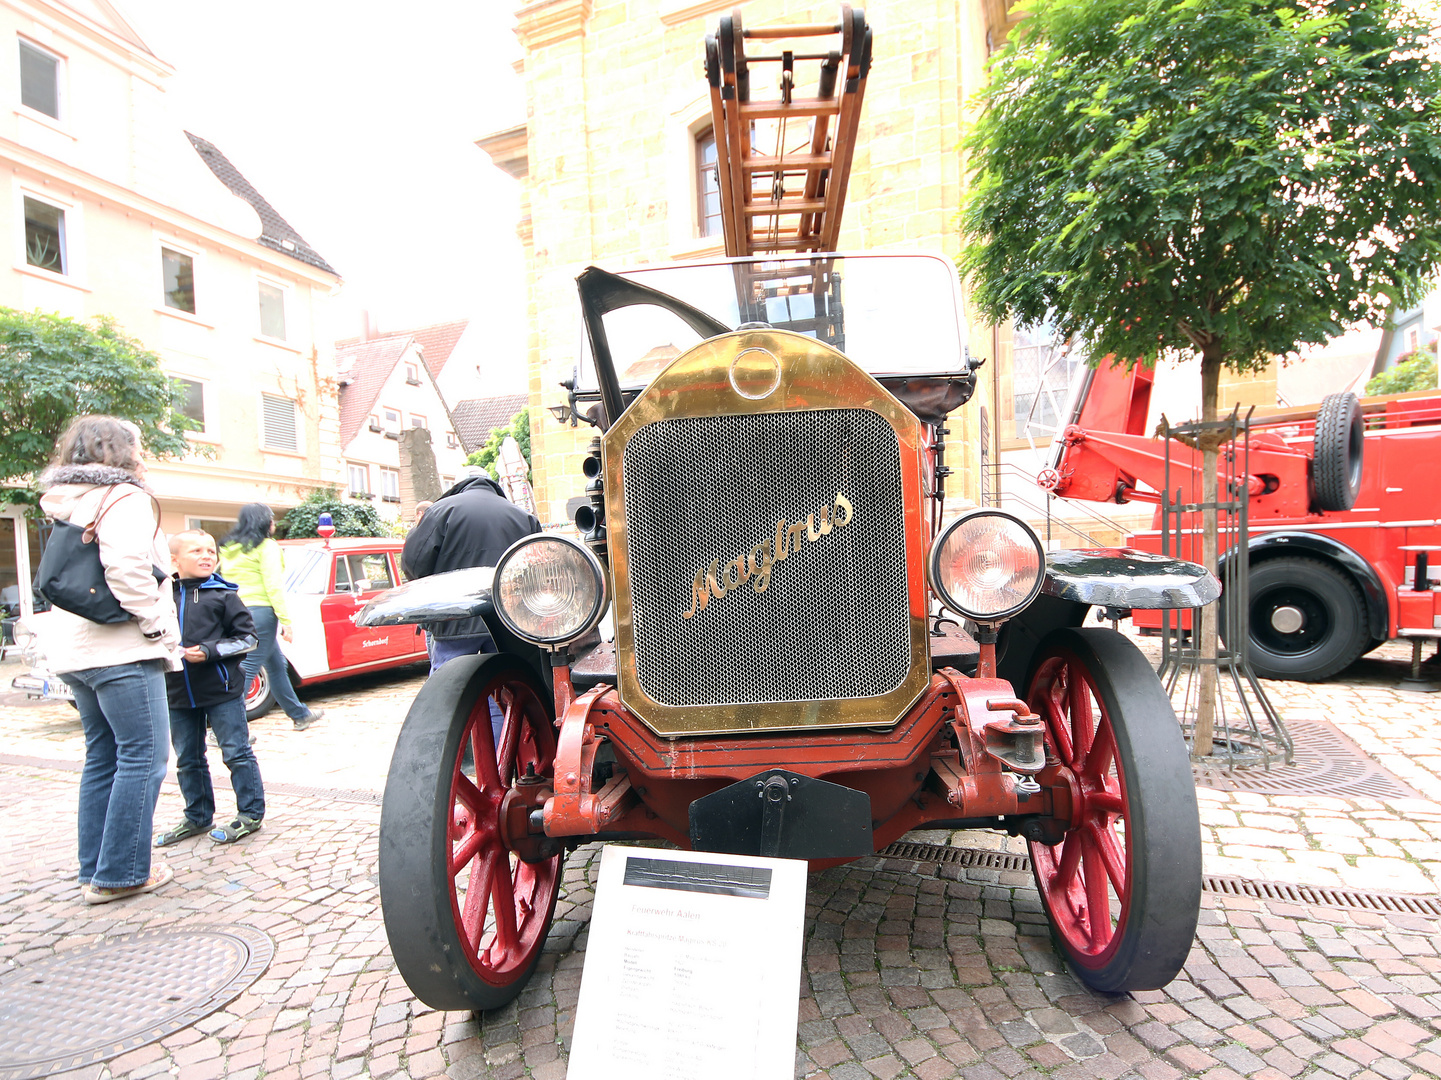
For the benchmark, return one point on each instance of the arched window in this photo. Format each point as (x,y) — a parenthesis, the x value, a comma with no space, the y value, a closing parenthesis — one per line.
(708,207)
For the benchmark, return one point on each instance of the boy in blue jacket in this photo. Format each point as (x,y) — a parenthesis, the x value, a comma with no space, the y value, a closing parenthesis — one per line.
(216,631)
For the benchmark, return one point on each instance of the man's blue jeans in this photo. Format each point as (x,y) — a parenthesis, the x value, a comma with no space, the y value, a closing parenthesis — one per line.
(127,743)
(268,655)
(444,649)
(187,731)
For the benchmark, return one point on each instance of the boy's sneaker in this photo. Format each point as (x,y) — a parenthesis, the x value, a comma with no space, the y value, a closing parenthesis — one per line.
(308,719)
(183,831)
(239,827)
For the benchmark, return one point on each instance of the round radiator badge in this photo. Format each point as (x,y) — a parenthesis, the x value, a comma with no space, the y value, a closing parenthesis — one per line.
(755,374)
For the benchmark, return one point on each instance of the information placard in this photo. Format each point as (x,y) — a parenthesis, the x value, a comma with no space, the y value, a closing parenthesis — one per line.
(692,971)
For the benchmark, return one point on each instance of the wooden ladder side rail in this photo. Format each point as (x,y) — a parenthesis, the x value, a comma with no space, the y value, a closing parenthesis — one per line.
(726,176)
(847,126)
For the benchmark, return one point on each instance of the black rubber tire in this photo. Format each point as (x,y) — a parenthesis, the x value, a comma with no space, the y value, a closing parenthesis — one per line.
(1149,777)
(259,699)
(1338,449)
(416,841)
(1335,631)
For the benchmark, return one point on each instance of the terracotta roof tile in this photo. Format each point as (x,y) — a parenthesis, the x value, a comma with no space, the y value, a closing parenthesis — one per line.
(364,367)
(476,418)
(436,342)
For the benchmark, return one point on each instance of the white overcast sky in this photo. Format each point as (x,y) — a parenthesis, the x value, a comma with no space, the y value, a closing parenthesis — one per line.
(357,120)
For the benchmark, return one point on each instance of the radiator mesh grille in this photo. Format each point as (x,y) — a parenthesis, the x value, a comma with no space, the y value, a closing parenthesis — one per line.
(834,622)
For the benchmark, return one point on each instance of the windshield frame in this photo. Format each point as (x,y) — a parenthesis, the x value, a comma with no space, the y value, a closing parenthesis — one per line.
(952,322)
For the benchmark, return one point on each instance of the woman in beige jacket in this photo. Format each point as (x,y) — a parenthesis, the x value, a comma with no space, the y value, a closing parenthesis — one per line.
(117,670)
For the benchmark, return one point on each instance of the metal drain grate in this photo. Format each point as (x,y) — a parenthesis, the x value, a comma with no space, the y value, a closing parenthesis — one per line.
(1313,895)
(356,795)
(80,1007)
(975,858)
(1309,895)
(1325,763)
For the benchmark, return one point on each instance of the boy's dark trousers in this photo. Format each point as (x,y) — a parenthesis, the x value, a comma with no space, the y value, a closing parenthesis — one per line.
(187,733)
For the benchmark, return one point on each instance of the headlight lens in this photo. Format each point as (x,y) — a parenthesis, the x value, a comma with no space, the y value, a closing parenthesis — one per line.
(549,589)
(987,565)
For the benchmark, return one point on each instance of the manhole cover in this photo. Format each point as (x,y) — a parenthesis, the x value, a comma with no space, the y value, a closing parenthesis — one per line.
(1325,763)
(93,1003)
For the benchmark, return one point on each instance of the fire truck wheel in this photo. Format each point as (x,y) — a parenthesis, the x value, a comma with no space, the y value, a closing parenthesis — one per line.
(466,918)
(258,698)
(1336,456)
(1122,888)
(1307,619)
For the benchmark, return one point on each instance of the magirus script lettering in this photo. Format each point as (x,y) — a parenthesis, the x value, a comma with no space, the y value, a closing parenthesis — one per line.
(755,565)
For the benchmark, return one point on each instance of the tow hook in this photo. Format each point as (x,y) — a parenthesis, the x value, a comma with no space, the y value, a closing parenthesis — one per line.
(1018,742)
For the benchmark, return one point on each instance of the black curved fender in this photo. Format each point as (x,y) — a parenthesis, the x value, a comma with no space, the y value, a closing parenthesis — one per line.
(1378,613)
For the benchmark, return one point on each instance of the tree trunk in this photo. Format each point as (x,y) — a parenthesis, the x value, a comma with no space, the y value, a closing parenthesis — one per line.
(1204,731)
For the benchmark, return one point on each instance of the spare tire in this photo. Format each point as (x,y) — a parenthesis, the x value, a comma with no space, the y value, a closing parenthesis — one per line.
(1340,442)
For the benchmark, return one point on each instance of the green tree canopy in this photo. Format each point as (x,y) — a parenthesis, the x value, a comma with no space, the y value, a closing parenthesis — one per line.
(1231,178)
(53,369)
(1415,372)
(519,426)
(1228,178)
(350,519)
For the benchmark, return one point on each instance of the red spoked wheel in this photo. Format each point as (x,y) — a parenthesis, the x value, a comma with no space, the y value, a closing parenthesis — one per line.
(466,916)
(1122,886)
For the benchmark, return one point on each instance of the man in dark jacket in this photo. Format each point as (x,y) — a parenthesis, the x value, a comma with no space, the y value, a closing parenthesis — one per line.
(216,631)
(472,524)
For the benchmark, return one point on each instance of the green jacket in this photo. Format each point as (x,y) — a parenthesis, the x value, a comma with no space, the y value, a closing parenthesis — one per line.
(260,573)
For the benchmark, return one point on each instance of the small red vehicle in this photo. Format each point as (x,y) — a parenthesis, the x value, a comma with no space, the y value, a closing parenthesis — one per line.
(326,582)
(1344,509)
(766,520)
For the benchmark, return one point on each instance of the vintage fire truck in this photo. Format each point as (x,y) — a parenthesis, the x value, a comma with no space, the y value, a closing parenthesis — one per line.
(766,521)
(1344,512)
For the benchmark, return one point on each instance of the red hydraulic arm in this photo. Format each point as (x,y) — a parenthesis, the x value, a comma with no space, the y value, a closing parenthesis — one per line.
(1105,451)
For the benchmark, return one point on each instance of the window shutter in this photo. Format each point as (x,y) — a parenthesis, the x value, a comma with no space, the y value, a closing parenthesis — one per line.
(279,423)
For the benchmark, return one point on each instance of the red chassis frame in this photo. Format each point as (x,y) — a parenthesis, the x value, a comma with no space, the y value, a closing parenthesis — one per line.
(912,773)
(1105,453)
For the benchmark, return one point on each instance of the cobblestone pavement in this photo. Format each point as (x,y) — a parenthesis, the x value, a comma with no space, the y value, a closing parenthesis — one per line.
(911,968)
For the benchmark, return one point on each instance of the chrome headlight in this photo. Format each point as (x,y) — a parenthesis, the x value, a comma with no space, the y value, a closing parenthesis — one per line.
(549,589)
(987,565)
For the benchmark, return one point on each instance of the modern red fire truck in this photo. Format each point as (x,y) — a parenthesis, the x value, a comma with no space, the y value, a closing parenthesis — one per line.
(1344,506)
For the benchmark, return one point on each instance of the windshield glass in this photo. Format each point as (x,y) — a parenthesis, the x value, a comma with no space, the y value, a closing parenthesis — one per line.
(307,569)
(891,314)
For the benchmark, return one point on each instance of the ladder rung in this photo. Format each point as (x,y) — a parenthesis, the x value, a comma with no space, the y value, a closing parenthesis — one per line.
(785,242)
(774,33)
(763,110)
(786,206)
(793,163)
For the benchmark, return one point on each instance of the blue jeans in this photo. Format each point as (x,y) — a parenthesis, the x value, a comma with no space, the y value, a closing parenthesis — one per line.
(444,649)
(126,723)
(187,731)
(268,655)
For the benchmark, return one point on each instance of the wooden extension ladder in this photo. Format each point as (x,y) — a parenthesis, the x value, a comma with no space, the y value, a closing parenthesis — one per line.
(775,196)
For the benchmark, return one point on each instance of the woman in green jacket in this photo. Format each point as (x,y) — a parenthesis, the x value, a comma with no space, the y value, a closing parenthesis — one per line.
(251,559)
